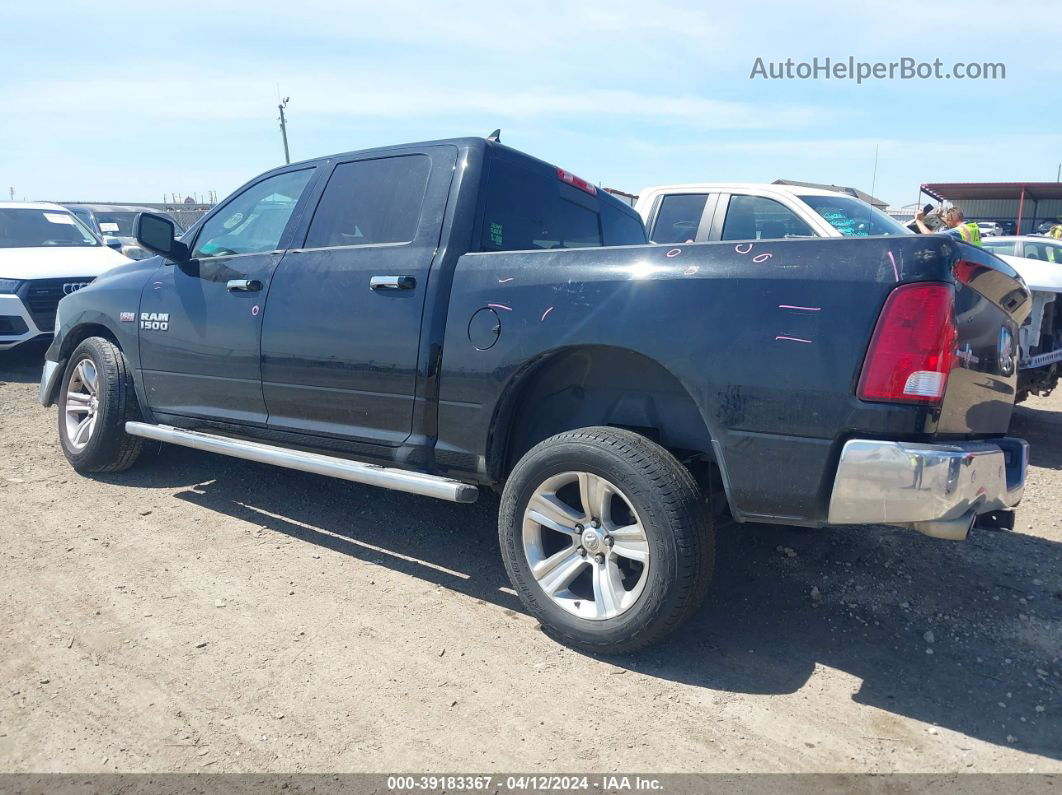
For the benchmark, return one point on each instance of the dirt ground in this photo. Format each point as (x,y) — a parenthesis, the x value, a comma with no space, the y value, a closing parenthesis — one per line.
(200,613)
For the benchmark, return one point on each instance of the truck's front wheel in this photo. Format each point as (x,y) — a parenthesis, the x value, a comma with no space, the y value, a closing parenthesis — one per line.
(96,399)
(606,539)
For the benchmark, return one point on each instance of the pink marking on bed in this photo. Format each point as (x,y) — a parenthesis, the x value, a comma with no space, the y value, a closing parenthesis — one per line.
(503,281)
(895,270)
(692,269)
(801,308)
(545,313)
(762,257)
(737,248)
(674,252)
(501,306)
(791,339)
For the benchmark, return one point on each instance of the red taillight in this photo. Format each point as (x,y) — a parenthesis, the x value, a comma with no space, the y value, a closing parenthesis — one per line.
(576,182)
(913,347)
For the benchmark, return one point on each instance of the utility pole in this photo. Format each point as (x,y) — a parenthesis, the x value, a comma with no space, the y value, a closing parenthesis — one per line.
(1058,176)
(11,190)
(284,127)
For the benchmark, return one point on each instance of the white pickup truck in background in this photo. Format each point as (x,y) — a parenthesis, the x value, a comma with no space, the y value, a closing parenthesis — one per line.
(714,211)
(744,211)
(1039,261)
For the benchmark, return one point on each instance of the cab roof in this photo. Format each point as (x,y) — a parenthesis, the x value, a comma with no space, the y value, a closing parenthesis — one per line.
(465,144)
(50,206)
(712,187)
(104,208)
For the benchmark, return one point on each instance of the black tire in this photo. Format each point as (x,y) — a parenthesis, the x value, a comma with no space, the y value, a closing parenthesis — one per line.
(108,447)
(672,512)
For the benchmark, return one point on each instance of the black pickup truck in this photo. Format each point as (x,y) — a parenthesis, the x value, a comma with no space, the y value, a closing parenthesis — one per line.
(441,317)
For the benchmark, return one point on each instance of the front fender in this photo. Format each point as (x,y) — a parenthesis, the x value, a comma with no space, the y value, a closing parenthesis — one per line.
(109,308)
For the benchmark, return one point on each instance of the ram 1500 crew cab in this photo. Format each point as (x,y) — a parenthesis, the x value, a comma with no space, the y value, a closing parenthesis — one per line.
(437,318)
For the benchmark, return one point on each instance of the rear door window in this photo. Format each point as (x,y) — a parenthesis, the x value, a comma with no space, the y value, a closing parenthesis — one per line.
(678,218)
(760,218)
(371,202)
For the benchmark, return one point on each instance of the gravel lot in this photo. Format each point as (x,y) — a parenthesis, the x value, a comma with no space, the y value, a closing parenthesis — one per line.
(204,614)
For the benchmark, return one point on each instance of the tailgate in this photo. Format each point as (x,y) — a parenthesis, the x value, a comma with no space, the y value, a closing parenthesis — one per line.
(991,302)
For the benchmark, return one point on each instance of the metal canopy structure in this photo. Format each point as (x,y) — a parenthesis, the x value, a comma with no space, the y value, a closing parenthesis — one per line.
(1020,192)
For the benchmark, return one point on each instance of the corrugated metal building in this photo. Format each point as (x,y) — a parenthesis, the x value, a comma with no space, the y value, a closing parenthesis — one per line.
(1026,204)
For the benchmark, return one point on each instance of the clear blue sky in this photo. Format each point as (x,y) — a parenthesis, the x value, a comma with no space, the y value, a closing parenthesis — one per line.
(131,101)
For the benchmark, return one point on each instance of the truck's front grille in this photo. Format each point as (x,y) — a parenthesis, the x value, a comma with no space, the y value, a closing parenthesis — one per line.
(42,296)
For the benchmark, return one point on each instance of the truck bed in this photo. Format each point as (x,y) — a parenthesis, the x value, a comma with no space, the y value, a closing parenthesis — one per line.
(767,338)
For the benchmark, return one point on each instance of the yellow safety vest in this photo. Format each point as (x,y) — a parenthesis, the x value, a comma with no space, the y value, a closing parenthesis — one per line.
(1056,231)
(970,232)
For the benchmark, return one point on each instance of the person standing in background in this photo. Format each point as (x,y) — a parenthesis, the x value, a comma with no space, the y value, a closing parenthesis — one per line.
(956,225)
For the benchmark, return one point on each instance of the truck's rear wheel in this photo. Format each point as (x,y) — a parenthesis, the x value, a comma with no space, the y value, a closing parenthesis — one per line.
(606,539)
(96,399)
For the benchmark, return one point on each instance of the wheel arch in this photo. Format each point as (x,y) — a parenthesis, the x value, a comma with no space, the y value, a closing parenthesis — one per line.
(581,386)
(82,332)
(74,337)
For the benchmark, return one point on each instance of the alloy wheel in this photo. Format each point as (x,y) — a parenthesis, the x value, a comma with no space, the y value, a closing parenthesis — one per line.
(586,545)
(82,404)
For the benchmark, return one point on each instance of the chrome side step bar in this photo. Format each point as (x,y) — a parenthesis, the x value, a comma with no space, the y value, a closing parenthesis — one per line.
(356,471)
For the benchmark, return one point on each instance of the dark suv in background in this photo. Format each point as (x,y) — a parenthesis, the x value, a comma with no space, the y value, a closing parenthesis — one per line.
(116,220)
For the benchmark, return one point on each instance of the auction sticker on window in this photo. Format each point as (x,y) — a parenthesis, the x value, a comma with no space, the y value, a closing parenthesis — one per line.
(59,218)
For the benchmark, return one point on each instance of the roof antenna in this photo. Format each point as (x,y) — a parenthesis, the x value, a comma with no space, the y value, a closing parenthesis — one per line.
(495,137)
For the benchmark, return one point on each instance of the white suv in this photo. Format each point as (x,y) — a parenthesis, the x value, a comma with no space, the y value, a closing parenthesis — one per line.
(45,253)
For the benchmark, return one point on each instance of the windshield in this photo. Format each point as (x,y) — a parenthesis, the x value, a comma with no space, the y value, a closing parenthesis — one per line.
(27,228)
(854,218)
(117,224)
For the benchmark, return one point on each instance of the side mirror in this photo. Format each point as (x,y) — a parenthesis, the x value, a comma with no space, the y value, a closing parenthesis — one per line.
(113,242)
(157,234)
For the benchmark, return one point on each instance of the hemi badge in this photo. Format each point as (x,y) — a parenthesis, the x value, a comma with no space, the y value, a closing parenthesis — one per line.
(127,317)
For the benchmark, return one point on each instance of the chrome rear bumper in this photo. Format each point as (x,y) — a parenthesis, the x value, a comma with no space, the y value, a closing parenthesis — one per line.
(937,489)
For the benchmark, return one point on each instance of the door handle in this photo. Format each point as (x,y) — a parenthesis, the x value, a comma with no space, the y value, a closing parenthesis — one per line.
(243,286)
(392,283)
